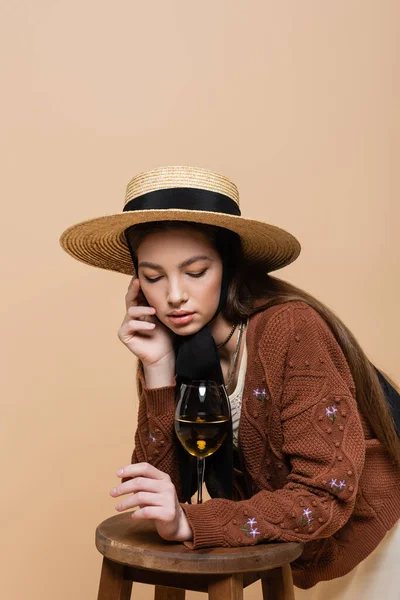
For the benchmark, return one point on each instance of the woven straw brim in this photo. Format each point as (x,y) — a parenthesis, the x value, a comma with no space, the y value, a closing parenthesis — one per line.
(101,243)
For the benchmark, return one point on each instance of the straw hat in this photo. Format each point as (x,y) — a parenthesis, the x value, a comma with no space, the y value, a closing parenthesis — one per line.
(176,193)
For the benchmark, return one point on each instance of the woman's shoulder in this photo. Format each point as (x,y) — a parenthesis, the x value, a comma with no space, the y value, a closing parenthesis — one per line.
(296,331)
(287,322)
(284,312)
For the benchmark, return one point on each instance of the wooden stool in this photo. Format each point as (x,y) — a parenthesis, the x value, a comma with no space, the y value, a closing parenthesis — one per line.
(133,551)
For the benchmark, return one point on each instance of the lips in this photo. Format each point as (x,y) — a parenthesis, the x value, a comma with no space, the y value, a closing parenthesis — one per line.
(181,319)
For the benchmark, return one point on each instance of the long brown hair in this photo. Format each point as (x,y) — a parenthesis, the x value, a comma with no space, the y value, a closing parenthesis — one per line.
(250,281)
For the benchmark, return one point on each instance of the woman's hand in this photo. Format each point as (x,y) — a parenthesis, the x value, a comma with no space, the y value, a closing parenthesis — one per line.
(155,494)
(143,333)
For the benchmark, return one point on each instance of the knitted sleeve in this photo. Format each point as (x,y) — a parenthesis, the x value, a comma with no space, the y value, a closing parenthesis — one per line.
(322,441)
(154,436)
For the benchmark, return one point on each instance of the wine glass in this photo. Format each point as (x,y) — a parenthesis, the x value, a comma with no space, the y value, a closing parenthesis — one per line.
(202,421)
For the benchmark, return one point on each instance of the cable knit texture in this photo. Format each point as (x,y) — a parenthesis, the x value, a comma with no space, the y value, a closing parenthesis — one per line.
(316,471)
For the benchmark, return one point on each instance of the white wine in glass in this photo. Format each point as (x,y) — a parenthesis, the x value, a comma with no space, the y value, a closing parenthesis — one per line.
(202,421)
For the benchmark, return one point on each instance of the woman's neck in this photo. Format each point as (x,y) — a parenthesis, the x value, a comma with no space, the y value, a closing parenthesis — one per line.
(220,329)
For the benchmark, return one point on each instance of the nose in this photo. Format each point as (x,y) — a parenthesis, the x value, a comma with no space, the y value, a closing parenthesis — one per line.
(176,294)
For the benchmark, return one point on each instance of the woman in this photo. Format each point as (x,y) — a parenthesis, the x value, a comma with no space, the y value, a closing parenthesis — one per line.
(316,453)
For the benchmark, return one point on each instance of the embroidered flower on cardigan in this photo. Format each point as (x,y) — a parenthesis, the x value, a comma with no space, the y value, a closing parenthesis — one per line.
(261,395)
(248,528)
(155,436)
(331,413)
(339,486)
(254,532)
(306,517)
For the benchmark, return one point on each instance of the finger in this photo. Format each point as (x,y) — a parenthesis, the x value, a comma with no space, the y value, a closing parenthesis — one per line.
(152,512)
(142,470)
(141,312)
(132,293)
(142,300)
(135,329)
(134,325)
(136,313)
(138,484)
(141,499)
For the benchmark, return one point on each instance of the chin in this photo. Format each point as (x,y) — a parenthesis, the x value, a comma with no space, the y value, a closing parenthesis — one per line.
(189,329)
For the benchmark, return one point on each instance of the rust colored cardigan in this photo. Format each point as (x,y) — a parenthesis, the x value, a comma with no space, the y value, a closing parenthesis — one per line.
(315,470)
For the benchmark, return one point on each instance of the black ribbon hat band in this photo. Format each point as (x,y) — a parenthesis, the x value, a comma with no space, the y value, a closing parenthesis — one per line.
(185,199)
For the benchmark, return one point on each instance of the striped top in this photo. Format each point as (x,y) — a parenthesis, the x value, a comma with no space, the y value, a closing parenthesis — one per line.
(236,397)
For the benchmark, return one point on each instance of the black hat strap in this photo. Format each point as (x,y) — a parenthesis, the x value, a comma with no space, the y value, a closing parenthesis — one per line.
(184,199)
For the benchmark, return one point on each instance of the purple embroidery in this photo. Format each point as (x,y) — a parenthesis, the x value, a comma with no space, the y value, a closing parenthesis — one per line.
(261,395)
(152,437)
(248,528)
(254,532)
(330,412)
(339,486)
(307,513)
(306,517)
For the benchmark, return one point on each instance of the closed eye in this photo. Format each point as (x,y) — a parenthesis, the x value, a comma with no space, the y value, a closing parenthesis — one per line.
(197,274)
(154,279)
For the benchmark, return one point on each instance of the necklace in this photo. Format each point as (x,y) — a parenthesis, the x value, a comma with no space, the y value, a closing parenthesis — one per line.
(235,357)
(232,331)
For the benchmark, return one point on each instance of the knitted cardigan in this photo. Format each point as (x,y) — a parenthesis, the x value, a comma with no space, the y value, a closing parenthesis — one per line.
(315,471)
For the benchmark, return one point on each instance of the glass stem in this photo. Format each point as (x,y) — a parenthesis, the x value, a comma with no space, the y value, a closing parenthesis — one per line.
(200,479)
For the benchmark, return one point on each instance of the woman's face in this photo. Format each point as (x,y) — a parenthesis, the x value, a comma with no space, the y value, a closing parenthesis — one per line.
(180,272)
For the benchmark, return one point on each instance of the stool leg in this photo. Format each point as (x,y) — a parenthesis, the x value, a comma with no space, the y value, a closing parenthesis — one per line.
(230,588)
(277,584)
(168,593)
(112,585)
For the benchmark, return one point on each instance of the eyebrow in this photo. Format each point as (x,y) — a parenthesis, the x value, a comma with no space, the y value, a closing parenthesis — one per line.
(183,264)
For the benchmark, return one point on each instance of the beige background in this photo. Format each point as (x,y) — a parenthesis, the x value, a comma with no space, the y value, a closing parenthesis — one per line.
(295,101)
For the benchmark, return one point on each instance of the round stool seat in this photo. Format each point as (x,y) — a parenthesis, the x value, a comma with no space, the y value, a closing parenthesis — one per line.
(137,544)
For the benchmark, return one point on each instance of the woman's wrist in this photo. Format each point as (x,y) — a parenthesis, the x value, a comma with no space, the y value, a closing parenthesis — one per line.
(160,374)
(184,533)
